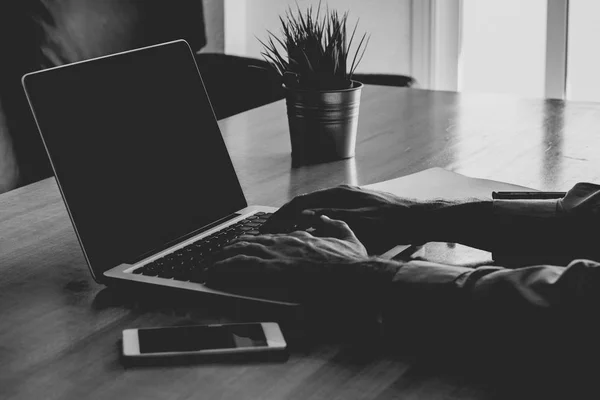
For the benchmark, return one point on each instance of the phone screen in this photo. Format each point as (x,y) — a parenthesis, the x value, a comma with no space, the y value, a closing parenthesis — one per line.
(197,338)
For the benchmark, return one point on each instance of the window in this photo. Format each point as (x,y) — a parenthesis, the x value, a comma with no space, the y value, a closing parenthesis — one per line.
(583,61)
(533,48)
(503,47)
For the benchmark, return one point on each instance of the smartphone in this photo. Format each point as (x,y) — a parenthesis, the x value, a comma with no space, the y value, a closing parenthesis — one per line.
(198,340)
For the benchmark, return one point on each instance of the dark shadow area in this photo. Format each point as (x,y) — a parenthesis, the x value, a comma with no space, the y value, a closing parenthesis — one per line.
(37,34)
(236,84)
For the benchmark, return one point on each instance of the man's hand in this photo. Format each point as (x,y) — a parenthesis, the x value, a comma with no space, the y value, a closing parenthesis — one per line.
(298,262)
(380,220)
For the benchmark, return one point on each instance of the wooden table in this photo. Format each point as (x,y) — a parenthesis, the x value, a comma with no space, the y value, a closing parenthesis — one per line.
(59,330)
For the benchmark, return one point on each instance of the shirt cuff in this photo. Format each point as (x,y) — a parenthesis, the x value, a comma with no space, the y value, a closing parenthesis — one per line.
(526,231)
(418,272)
(547,208)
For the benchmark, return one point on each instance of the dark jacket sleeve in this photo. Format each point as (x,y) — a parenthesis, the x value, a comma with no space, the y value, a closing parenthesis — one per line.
(538,323)
(555,229)
(540,317)
(548,231)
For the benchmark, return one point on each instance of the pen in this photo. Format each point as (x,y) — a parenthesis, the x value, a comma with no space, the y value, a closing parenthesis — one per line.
(527,195)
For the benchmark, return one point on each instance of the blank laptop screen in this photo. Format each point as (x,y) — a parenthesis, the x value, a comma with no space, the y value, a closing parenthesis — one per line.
(136,149)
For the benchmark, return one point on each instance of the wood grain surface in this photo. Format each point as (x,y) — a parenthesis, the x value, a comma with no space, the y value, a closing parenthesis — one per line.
(60,331)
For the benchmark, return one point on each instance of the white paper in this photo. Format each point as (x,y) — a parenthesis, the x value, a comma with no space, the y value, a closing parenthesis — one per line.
(438,183)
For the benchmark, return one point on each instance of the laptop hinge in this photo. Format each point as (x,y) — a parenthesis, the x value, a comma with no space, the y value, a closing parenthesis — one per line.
(184,238)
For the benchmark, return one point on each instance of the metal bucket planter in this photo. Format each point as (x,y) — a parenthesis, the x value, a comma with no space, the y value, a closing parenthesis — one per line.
(323,124)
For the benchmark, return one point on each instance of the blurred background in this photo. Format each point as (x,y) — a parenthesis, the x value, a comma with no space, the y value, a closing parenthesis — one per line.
(533,48)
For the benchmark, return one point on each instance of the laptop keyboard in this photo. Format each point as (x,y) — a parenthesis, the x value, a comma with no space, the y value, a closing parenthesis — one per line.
(190,262)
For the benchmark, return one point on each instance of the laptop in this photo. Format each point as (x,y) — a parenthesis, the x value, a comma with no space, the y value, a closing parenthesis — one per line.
(142,167)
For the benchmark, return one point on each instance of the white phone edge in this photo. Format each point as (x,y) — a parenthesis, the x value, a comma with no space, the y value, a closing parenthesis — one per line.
(131,343)
(273,335)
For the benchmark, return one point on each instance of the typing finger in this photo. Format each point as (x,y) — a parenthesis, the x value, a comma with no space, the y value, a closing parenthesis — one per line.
(244,248)
(343,214)
(262,239)
(300,234)
(271,239)
(289,214)
(337,229)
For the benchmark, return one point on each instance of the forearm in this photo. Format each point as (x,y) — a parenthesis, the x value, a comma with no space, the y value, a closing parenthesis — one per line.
(469,222)
(363,283)
(492,312)
(526,232)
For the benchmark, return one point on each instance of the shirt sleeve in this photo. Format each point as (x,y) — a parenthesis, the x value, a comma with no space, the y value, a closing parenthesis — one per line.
(548,231)
(535,315)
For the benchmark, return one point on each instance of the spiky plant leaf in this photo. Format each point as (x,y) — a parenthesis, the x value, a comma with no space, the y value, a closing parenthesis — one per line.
(314,48)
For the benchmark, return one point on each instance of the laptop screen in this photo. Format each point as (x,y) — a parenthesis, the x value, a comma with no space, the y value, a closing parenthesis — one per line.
(136,149)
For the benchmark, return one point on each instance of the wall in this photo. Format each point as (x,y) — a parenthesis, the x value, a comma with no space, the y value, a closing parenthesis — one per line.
(235,27)
(387,21)
(583,61)
(214,20)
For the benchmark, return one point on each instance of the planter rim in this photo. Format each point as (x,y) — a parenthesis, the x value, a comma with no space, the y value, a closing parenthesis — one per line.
(355,85)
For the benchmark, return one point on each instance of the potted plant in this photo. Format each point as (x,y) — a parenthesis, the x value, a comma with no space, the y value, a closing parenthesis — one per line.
(315,62)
